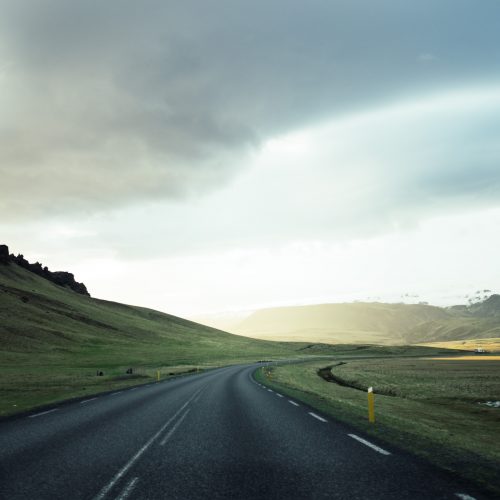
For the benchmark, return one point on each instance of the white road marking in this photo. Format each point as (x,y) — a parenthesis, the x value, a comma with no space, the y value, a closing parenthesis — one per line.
(115,393)
(371,445)
(199,395)
(174,428)
(293,402)
(128,489)
(318,417)
(464,496)
(43,413)
(279,395)
(133,388)
(102,494)
(270,390)
(87,401)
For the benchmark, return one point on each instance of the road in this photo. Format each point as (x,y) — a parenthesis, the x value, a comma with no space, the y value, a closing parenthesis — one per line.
(214,435)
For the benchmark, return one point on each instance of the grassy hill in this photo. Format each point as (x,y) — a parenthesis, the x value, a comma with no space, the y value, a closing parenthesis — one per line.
(54,340)
(374,323)
(40,317)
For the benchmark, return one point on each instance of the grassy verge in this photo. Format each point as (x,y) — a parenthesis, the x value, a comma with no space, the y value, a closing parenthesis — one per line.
(39,387)
(428,407)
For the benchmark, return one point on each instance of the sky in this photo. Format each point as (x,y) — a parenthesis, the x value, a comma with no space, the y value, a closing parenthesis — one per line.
(207,157)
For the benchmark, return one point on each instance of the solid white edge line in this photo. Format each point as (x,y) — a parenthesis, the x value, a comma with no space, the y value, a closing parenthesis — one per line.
(174,428)
(128,489)
(318,417)
(42,413)
(293,402)
(370,445)
(131,462)
(87,400)
(464,496)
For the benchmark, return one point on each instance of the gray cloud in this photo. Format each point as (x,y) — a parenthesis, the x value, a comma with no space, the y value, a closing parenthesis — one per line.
(107,103)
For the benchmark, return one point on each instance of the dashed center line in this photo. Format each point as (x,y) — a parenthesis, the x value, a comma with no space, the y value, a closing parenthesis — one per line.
(270,390)
(293,402)
(87,401)
(43,413)
(128,489)
(115,393)
(318,417)
(279,395)
(104,492)
(174,428)
(371,445)
(464,496)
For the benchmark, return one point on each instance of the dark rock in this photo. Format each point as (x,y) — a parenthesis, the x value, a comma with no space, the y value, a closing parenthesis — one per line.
(60,278)
(4,254)
(68,280)
(129,371)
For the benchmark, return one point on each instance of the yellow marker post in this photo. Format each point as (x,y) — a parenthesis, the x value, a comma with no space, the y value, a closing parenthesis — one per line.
(158,375)
(371,405)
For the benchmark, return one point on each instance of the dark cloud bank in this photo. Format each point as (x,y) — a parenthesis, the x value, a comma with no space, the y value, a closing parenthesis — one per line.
(110,102)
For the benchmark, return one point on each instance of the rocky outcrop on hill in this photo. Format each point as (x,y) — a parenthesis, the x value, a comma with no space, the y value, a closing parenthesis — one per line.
(60,278)
(4,254)
(68,280)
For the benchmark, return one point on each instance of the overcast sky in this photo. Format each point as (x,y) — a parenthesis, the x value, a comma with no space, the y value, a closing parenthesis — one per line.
(198,157)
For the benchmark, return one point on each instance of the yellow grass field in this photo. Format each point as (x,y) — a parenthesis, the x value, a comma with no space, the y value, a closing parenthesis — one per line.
(468,358)
(491,345)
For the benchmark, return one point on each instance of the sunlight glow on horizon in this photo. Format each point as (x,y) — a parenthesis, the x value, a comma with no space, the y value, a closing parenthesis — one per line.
(336,211)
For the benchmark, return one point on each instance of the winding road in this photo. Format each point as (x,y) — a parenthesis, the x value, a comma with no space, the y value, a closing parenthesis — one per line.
(214,435)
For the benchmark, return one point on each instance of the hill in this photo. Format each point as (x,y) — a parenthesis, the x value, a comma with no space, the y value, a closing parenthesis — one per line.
(37,316)
(374,323)
(54,340)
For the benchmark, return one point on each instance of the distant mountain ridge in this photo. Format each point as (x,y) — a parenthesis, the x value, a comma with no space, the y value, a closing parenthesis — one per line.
(374,322)
(489,308)
(60,278)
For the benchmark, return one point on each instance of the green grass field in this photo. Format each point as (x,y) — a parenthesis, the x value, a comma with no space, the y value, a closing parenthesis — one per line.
(429,407)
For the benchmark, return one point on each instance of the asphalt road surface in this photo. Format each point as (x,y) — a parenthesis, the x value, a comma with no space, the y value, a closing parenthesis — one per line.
(214,435)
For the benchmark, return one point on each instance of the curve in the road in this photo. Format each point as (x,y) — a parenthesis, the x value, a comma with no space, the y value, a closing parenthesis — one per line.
(214,435)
